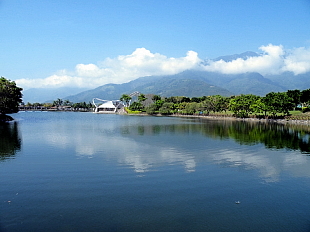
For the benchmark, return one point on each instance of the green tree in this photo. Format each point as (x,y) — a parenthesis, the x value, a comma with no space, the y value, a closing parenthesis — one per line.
(67,103)
(167,108)
(215,103)
(191,108)
(295,95)
(278,103)
(154,108)
(305,98)
(196,99)
(81,105)
(156,98)
(58,102)
(141,98)
(28,104)
(10,98)
(242,105)
(151,109)
(136,106)
(260,106)
(126,99)
(47,105)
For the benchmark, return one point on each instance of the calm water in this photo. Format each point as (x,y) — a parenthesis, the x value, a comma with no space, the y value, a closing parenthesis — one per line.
(91,172)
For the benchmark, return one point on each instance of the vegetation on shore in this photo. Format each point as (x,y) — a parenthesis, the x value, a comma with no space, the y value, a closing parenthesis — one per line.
(58,104)
(10,98)
(273,105)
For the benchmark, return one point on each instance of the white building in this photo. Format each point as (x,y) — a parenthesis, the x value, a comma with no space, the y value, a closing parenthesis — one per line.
(106,106)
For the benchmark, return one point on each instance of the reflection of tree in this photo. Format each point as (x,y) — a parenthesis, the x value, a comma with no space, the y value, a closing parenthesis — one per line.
(10,141)
(273,136)
(276,136)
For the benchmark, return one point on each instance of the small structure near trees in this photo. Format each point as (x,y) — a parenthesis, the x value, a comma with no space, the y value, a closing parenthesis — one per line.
(106,106)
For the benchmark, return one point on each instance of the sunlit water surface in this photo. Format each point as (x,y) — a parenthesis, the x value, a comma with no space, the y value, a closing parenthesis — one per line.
(96,172)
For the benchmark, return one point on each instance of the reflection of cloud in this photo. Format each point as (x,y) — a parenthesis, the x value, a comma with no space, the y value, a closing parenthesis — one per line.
(290,160)
(85,150)
(58,139)
(127,151)
(138,155)
(269,164)
(172,155)
(269,171)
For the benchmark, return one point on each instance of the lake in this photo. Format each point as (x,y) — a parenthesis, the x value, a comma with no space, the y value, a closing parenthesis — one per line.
(65,171)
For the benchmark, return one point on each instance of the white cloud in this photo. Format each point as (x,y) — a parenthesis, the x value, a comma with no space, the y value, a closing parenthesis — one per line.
(268,63)
(274,60)
(142,62)
(122,69)
(51,81)
(298,61)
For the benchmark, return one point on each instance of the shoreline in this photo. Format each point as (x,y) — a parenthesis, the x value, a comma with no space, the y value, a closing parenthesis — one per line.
(282,121)
(210,117)
(214,117)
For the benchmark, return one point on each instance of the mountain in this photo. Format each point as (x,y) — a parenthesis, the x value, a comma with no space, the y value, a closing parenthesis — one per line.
(246,83)
(178,86)
(48,94)
(291,81)
(189,84)
(243,56)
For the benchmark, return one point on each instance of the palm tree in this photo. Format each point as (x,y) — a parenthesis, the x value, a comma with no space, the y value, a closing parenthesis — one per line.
(156,97)
(58,102)
(67,103)
(141,97)
(126,98)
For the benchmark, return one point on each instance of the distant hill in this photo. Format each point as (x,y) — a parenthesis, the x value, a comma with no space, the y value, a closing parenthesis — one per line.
(290,81)
(172,85)
(188,83)
(48,94)
(246,83)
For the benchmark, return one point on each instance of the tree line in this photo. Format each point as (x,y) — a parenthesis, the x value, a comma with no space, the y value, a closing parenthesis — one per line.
(274,104)
(58,104)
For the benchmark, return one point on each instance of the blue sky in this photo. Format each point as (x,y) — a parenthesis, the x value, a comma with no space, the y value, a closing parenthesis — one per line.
(77,42)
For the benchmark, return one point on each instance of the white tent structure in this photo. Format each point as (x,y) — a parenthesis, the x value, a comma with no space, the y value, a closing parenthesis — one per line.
(107,106)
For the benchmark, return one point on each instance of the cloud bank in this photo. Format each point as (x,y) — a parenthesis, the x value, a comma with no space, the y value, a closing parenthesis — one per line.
(273,60)
(142,62)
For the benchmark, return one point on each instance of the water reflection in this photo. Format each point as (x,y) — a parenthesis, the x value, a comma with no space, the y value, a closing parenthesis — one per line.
(10,141)
(117,142)
(149,143)
(272,135)
(250,155)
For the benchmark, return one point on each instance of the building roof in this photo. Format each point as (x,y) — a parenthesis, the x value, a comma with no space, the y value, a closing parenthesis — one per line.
(108,104)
